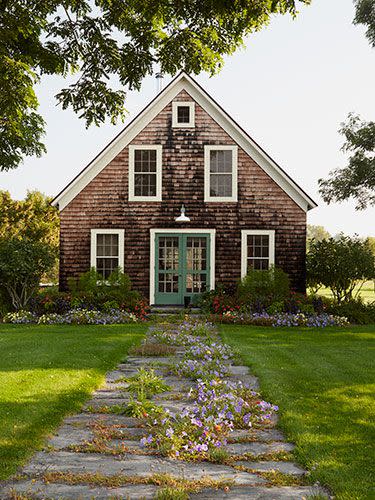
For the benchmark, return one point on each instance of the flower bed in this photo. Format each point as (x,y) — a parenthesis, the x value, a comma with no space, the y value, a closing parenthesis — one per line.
(281,319)
(217,406)
(73,317)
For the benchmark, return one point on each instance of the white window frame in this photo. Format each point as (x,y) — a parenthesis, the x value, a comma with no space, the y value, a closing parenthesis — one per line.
(93,247)
(261,232)
(175,106)
(207,156)
(159,150)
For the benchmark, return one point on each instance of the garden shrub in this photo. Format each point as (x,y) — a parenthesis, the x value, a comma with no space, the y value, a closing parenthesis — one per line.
(260,288)
(356,311)
(219,301)
(91,291)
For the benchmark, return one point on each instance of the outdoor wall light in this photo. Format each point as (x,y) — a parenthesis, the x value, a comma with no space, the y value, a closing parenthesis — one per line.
(182,217)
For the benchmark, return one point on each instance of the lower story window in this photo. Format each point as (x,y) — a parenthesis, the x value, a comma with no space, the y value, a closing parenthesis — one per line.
(107,250)
(258,250)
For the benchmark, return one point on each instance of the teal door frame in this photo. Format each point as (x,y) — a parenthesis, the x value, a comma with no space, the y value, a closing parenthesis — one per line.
(174,280)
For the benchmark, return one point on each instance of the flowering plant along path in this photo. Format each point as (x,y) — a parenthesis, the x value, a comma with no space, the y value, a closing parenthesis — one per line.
(178,419)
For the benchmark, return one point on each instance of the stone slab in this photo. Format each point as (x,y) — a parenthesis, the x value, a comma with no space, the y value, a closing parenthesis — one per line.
(260,493)
(266,466)
(265,435)
(86,419)
(257,448)
(40,490)
(133,465)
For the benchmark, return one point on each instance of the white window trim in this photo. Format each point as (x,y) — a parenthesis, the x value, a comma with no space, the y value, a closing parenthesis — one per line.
(207,152)
(175,122)
(244,234)
(159,150)
(121,239)
(154,232)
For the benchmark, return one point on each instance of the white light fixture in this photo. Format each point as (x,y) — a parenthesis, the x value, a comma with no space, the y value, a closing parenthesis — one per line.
(182,217)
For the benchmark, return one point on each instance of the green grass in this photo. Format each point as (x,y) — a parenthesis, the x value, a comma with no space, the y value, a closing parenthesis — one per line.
(367,292)
(47,372)
(324,382)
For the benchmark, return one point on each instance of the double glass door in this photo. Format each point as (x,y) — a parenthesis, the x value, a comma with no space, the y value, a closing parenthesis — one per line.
(182,267)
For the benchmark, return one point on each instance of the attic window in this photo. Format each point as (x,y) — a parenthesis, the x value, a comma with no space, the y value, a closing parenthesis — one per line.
(145,173)
(220,173)
(183,114)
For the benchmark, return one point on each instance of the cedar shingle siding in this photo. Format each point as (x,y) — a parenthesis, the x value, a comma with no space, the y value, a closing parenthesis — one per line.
(262,204)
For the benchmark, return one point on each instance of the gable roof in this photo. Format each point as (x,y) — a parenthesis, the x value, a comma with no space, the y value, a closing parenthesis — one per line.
(184,82)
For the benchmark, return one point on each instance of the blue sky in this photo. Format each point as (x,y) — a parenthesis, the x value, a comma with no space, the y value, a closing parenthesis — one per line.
(290,88)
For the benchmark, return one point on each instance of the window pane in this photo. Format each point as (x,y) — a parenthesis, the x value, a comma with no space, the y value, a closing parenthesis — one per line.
(168,283)
(220,185)
(105,266)
(168,253)
(257,264)
(183,114)
(195,283)
(145,184)
(221,162)
(258,245)
(145,160)
(107,245)
(196,253)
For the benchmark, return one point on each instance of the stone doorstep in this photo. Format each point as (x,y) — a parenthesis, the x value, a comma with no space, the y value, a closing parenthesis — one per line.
(133,465)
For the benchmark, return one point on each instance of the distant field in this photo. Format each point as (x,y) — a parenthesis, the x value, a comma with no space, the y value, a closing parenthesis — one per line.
(367,292)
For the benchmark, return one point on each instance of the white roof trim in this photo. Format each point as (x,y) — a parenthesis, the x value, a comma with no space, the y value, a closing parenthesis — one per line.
(184,82)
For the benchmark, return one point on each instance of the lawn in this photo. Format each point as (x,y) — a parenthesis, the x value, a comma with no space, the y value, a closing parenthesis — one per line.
(324,382)
(366,292)
(47,372)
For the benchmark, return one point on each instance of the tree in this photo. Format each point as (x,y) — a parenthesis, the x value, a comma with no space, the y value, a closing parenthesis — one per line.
(317,233)
(357,179)
(339,264)
(101,39)
(22,264)
(34,219)
(365,14)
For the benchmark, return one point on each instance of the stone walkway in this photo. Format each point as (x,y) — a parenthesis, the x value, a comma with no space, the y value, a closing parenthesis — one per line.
(94,454)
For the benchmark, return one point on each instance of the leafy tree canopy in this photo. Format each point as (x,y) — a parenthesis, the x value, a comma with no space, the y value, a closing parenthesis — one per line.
(357,179)
(317,233)
(339,264)
(99,39)
(32,218)
(365,14)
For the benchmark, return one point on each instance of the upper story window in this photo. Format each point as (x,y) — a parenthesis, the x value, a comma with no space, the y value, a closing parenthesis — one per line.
(258,249)
(183,114)
(145,173)
(220,173)
(107,250)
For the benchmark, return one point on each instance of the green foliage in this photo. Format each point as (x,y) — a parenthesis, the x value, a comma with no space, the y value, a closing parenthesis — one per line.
(263,287)
(357,179)
(146,384)
(109,39)
(170,493)
(355,310)
(317,233)
(339,264)
(22,264)
(91,290)
(33,218)
(142,408)
(365,14)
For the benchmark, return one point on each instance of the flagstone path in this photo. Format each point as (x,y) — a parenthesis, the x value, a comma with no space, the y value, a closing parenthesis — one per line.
(79,448)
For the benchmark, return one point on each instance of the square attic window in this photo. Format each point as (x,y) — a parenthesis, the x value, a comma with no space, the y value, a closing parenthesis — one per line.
(183,114)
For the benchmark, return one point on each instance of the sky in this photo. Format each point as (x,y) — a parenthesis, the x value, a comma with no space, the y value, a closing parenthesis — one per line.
(290,88)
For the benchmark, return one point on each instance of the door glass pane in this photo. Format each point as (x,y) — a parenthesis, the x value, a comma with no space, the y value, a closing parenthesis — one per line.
(168,283)
(196,253)
(195,283)
(168,253)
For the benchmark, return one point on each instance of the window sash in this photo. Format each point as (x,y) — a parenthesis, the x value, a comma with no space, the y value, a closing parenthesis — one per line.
(107,250)
(220,173)
(145,173)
